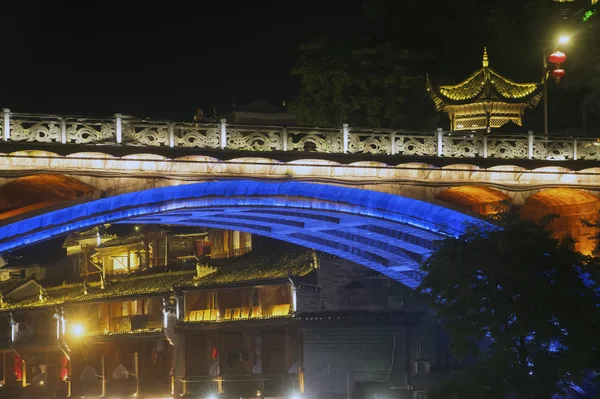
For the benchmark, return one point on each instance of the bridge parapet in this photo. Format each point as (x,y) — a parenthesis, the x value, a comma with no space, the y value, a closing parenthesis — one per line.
(129,131)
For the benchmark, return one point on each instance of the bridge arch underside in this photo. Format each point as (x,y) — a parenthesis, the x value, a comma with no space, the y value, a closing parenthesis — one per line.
(570,205)
(388,233)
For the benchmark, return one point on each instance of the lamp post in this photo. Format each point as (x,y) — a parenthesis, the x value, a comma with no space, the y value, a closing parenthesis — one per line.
(561,40)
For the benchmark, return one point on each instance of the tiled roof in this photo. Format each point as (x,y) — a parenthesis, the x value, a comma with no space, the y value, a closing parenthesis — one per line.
(484,84)
(260,266)
(254,267)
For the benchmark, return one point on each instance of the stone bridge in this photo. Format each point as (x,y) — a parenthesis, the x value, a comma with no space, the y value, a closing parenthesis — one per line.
(51,164)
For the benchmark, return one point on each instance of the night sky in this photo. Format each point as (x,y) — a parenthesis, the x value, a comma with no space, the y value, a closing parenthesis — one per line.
(165,59)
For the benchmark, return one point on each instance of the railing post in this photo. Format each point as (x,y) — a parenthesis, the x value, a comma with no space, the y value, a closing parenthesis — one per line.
(171,135)
(118,128)
(485,145)
(284,139)
(530,144)
(345,134)
(223,134)
(574,149)
(439,135)
(63,131)
(6,113)
(103,376)
(393,143)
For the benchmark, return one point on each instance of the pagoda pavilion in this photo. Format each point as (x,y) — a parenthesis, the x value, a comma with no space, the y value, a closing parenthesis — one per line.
(484,100)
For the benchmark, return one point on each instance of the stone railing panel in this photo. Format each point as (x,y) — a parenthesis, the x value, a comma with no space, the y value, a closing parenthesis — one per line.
(552,148)
(373,142)
(196,135)
(418,144)
(145,133)
(255,138)
(462,146)
(314,140)
(588,149)
(89,131)
(34,129)
(508,147)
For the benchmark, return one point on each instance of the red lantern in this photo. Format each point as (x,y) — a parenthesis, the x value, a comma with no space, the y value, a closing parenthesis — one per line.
(18,367)
(64,371)
(215,353)
(557,57)
(558,74)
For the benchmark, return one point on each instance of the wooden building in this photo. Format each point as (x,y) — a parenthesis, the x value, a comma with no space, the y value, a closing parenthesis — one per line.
(269,323)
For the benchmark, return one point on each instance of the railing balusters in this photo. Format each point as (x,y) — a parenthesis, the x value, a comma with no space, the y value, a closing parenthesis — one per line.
(34,128)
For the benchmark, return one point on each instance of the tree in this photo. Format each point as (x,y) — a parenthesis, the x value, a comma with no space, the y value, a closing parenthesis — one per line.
(523,303)
(359,82)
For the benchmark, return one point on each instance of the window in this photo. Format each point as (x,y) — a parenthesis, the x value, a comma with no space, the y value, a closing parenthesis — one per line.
(251,298)
(212,300)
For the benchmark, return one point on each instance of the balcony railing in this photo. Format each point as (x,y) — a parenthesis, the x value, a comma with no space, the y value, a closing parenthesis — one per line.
(128,324)
(128,131)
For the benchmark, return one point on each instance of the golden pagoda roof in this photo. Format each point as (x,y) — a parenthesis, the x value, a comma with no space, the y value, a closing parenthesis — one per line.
(485,85)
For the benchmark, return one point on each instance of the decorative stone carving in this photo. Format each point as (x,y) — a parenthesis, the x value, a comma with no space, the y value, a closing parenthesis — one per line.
(508,148)
(554,149)
(315,141)
(419,145)
(588,149)
(90,133)
(255,139)
(152,136)
(197,136)
(369,143)
(40,132)
(462,147)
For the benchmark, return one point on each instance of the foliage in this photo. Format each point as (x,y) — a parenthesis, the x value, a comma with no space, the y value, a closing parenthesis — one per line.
(523,303)
(362,83)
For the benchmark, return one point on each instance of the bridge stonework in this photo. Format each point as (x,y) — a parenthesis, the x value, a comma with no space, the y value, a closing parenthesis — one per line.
(467,173)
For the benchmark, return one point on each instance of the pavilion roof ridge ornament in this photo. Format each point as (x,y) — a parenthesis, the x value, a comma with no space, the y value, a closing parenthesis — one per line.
(486,61)
(485,99)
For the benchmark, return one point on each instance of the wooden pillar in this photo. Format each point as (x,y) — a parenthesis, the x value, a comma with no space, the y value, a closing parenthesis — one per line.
(24,368)
(103,375)
(69,378)
(136,363)
(147,249)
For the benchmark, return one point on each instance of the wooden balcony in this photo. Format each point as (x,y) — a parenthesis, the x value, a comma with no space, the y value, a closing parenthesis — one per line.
(241,313)
(128,324)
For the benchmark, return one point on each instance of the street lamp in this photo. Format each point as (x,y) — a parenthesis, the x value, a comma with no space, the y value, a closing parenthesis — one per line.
(563,39)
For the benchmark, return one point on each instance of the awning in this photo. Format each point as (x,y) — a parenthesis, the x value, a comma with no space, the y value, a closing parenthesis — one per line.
(119,250)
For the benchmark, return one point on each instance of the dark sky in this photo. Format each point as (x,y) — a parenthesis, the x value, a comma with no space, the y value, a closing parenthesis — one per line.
(160,59)
(164,59)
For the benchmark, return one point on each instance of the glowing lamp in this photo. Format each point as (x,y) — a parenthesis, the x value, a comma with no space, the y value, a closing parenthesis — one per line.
(557,57)
(564,39)
(558,74)
(77,330)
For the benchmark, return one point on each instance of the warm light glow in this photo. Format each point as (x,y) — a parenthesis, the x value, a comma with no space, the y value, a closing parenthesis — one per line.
(41,382)
(77,330)
(564,39)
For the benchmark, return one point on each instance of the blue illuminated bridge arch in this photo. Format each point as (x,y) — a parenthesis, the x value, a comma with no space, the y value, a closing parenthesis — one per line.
(388,233)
